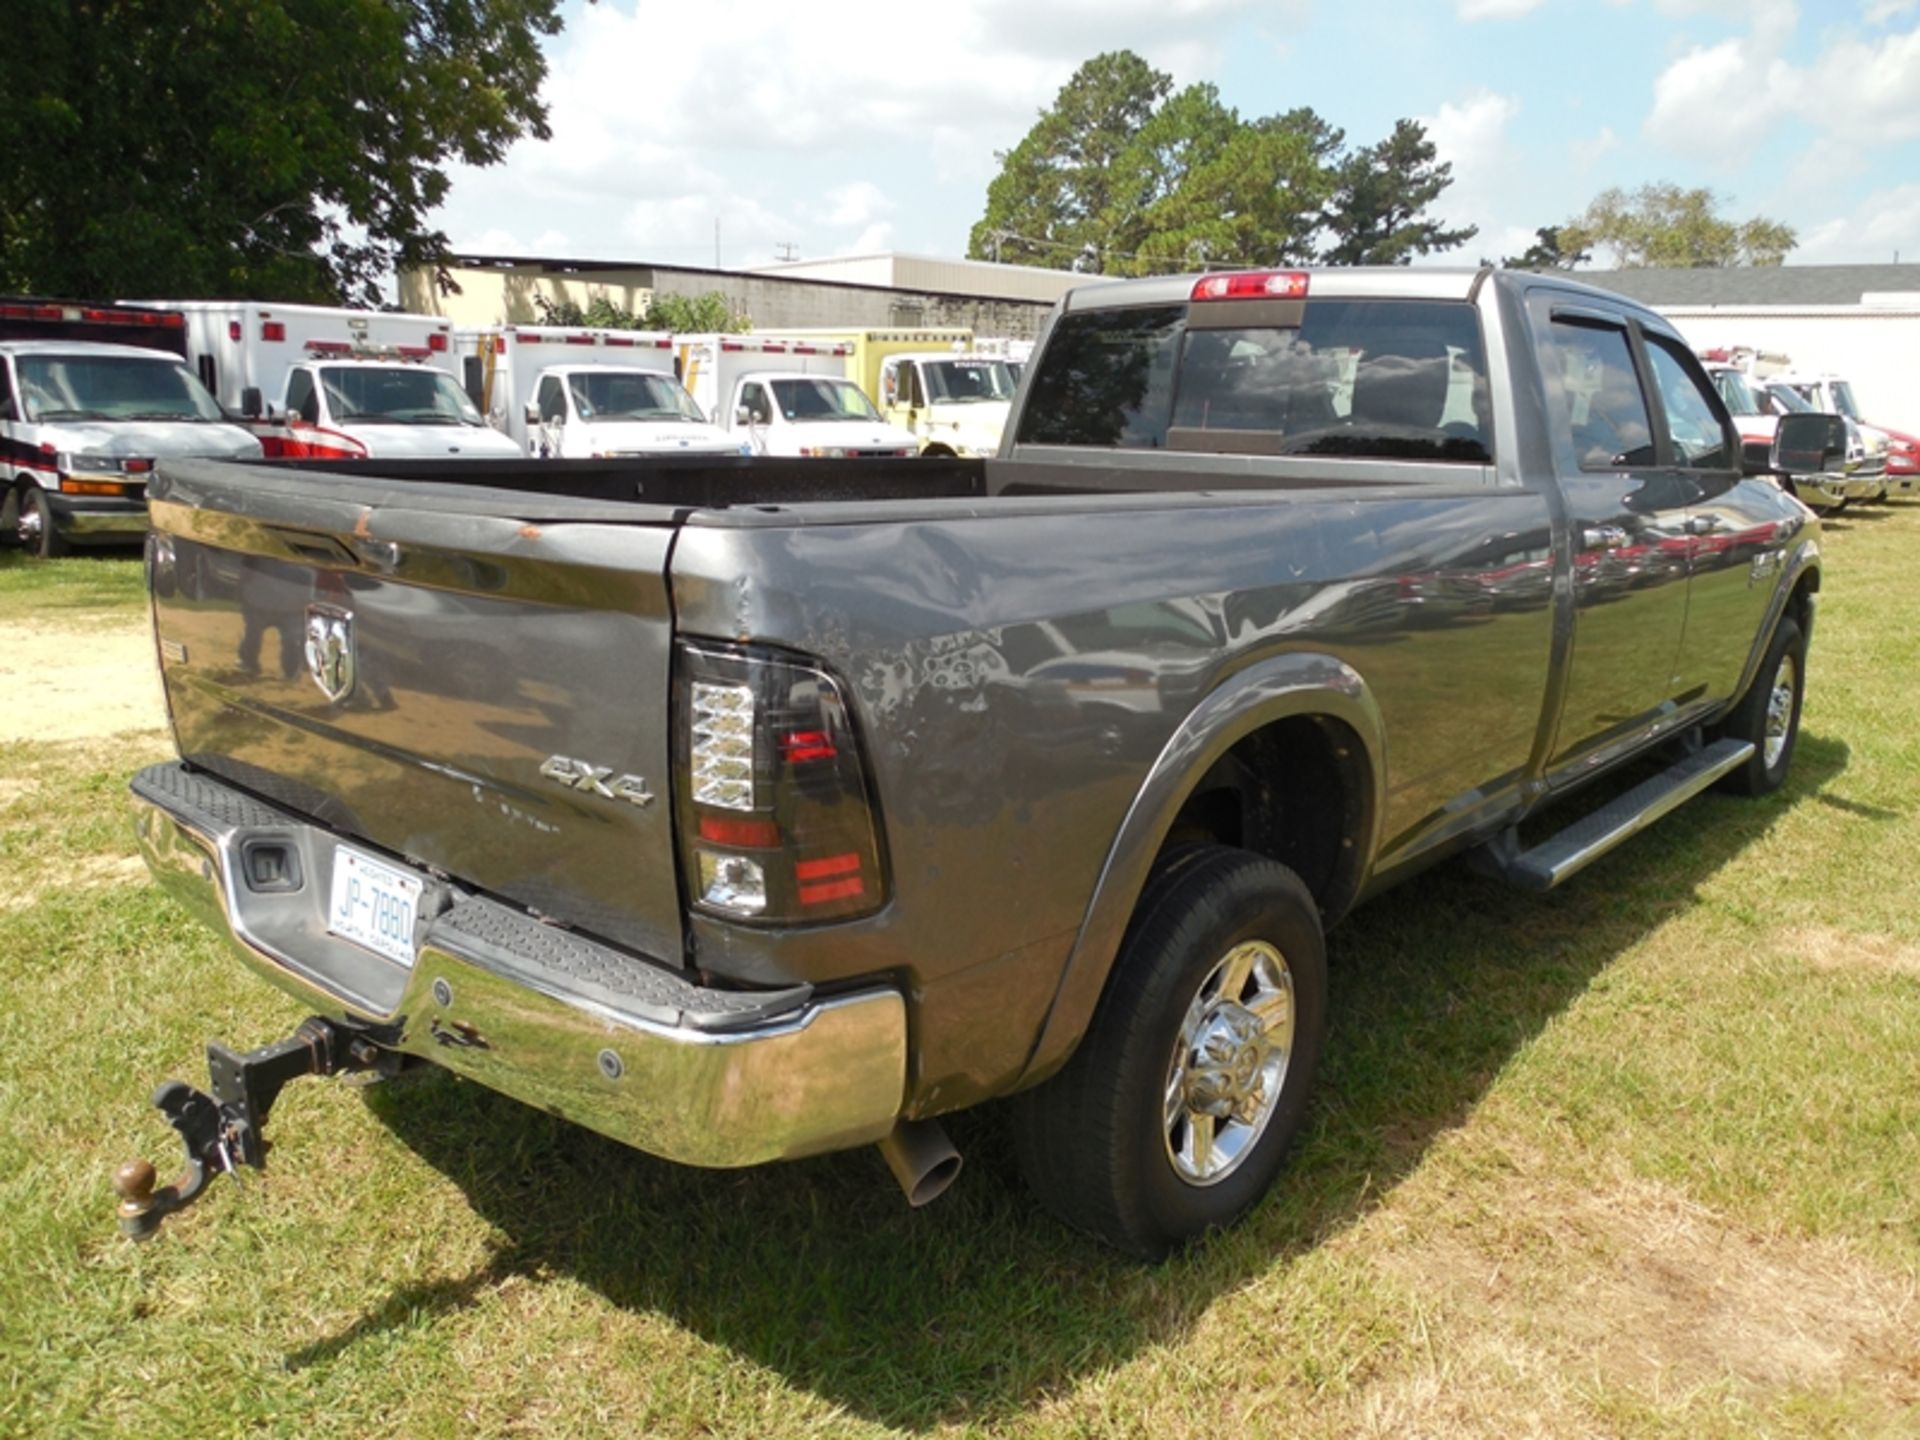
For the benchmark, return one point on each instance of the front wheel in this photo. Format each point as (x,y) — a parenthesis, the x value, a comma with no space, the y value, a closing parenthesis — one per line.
(1768,715)
(35,528)
(1175,1114)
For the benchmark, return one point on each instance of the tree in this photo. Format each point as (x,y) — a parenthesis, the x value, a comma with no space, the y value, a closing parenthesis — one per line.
(708,314)
(1377,215)
(285,149)
(1666,225)
(1052,202)
(1251,198)
(1554,248)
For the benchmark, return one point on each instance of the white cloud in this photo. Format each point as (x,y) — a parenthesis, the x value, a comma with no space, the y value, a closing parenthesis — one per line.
(1879,12)
(1587,153)
(1489,182)
(768,115)
(1716,102)
(856,204)
(1886,223)
(1471,10)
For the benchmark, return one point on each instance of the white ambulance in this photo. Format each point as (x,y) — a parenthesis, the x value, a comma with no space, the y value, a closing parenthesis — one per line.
(787,397)
(319,383)
(581,393)
(91,395)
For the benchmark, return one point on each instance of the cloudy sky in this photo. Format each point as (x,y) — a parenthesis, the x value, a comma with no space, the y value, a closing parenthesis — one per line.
(847,126)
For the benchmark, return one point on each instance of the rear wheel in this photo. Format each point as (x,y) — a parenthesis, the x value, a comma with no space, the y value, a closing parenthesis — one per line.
(1768,715)
(35,527)
(1175,1114)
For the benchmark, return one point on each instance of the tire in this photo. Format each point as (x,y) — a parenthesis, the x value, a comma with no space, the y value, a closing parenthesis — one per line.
(1107,1144)
(1769,714)
(35,527)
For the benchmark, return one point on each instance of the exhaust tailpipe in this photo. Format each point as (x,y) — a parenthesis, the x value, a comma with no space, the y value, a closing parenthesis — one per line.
(922,1159)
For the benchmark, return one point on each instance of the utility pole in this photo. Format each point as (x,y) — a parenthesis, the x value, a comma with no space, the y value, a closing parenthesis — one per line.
(716,242)
(786,250)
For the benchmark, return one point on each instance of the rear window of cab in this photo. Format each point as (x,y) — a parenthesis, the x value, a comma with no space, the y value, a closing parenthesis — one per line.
(1373,378)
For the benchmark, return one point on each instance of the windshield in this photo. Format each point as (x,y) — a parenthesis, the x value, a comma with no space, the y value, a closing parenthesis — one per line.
(1737,393)
(1843,400)
(395,395)
(112,387)
(805,401)
(966,380)
(1789,399)
(631,395)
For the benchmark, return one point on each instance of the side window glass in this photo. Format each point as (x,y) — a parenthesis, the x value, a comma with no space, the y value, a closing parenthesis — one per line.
(553,406)
(1699,441)
(916,396)
(301,399)
(8,409)
(1597,399)
(755,399)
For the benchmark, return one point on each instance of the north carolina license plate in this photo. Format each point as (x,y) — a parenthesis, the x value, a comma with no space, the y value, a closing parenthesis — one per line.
(373,904)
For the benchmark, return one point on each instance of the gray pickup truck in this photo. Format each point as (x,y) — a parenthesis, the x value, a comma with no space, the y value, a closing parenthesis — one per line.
(749,809)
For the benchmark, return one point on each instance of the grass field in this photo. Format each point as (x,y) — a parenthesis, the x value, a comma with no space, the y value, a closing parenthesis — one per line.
(1638,1158)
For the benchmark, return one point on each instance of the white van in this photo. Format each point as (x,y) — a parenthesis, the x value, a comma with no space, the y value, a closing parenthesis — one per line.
(581,393)
(319,382)
(83,421)
(787,397)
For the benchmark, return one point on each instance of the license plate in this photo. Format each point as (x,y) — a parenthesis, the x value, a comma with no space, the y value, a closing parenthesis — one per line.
(374,904)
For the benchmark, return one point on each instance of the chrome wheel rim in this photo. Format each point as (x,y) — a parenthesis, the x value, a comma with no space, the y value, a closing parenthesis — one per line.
(1786,681)
(28,525)
(1229,1063)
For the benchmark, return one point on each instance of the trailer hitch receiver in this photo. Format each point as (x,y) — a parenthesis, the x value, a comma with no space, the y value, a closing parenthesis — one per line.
(225,1129)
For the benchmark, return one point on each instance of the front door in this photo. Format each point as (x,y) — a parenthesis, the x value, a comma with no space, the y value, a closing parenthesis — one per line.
(1627,513)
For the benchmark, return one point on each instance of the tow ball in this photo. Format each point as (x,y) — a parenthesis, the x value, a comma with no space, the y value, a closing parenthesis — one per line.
(224,1130)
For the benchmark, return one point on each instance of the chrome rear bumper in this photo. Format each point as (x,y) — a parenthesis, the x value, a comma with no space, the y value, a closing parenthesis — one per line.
(627,1048)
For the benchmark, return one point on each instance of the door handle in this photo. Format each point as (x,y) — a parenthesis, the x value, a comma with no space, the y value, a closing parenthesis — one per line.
(1702,524)
(1603,537)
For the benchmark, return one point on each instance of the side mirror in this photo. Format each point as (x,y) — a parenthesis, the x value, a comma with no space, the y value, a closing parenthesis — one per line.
(533,413)
(1809,444)
(742,415)
(8,410)
(250,405)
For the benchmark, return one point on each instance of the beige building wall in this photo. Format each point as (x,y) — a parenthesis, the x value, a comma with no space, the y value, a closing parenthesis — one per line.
(494,293)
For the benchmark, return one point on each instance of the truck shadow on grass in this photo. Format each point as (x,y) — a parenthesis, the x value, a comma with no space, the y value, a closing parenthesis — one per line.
(982,1305)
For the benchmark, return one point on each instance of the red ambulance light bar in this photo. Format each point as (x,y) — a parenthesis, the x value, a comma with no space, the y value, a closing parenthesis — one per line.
(328,347)
(165,320)
(1252,285)
(415,352)
(580,340)
(774,347)
(665,342)
(618,342)
(162,319)
(731,346)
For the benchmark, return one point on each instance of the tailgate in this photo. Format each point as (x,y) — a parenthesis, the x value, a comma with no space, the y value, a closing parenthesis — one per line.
(474,679)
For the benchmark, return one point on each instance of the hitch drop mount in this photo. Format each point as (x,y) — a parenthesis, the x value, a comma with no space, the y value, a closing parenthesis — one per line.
(225,1129)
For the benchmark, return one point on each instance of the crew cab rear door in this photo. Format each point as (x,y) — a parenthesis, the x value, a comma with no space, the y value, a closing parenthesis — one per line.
(1627,513)
(473,680)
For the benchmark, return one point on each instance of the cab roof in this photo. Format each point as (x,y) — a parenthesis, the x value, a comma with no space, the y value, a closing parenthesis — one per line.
(86,347)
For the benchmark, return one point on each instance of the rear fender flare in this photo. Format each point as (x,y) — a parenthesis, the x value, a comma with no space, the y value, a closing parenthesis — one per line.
(1272,690)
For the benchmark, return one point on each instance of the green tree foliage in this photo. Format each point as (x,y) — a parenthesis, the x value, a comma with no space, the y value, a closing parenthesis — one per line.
(1381,193)
(1053,201)
(708,314)
(287,149)
(1124,175)
(1554,248)
(1667,225)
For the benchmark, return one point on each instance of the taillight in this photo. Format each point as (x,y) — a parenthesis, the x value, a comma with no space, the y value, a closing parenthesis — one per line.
(776,820)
